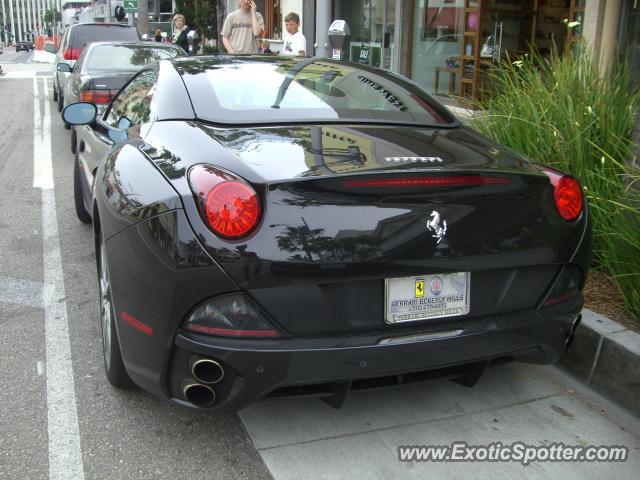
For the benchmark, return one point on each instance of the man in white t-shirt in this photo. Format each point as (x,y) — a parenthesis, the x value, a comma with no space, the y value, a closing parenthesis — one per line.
(294,43)
(242,27)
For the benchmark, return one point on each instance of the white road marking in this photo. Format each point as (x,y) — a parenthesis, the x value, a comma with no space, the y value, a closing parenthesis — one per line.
(26,74)
(42,165)
(65,456)
(40,367)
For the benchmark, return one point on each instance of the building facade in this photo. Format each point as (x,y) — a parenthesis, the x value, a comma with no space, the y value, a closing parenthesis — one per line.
(444,45)
(22,20)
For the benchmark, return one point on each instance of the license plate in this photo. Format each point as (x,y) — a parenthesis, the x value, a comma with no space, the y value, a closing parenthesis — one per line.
(410,299)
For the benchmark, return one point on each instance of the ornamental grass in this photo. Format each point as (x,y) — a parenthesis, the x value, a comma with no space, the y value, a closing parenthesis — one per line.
(558,110)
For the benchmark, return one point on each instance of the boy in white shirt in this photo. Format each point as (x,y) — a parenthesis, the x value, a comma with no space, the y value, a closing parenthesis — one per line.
(295,43)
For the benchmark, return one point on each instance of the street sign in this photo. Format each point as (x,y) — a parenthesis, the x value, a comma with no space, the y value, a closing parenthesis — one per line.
(130,5)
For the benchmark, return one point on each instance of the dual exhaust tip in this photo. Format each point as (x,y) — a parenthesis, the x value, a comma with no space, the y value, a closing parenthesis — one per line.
(205,372)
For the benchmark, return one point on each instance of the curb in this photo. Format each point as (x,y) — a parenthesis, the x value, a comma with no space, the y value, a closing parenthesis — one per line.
(606,356)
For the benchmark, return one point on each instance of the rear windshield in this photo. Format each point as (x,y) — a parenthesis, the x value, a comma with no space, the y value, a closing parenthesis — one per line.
(257,89)
(126,57)
(84,34)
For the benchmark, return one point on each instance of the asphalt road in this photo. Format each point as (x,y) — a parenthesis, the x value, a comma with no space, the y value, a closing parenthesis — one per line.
(11,56)
(60,419)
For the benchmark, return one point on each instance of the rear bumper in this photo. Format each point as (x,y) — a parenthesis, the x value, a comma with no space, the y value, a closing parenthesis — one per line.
(256,368)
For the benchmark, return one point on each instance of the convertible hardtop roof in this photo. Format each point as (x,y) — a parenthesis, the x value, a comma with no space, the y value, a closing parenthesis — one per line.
(270,89)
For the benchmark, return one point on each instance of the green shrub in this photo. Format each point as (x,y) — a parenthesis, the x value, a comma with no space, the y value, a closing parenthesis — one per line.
(208,50)
(559,111)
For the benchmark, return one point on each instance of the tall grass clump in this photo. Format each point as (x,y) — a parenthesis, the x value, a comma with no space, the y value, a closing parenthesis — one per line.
(560,111)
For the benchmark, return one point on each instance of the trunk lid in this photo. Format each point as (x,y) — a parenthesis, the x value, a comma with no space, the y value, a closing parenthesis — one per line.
(345,208)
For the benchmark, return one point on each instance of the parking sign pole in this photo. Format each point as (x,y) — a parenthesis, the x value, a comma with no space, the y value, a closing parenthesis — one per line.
(131,7)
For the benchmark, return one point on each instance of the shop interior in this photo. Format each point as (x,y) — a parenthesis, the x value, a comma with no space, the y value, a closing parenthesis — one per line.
(456,42)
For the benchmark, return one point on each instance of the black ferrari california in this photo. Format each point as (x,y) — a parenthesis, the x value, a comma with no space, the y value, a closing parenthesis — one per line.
(271,226)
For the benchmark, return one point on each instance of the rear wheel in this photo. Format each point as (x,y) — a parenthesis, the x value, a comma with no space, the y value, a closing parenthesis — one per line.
(81,211)
(60,102)
(55,93)
(74,140)
(113,364)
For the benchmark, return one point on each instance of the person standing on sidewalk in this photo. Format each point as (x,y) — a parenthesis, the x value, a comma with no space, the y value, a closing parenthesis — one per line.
(242,27)
(294,43)
(180,31)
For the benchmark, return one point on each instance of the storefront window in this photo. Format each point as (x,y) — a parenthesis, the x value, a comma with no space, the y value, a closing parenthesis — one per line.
(365,18)
(437,44)
(631,39)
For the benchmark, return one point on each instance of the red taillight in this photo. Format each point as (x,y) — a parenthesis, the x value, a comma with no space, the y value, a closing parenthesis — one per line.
(568,198)
(567,194)
(451,181)
(97,96)
(71,54)
(230,206)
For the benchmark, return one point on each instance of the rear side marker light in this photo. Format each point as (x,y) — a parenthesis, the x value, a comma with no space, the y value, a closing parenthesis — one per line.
(451,181)
(229,205)
(567,194)
(135,323)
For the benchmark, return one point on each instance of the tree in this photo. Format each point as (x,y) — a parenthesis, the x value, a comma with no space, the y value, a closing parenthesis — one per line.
(52,16)
(205,18)
(200,15)
(188,9)
(143,17)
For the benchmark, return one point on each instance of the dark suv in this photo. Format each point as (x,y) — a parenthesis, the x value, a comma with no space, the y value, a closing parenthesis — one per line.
(78,36)
(22,46)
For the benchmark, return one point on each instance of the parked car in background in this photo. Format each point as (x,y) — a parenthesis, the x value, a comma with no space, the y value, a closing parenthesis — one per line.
(287,226)
(22,46)
(104,67)
(76,37)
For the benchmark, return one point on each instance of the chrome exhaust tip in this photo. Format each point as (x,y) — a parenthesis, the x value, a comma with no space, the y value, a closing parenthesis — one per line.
(200,395)
(206,370)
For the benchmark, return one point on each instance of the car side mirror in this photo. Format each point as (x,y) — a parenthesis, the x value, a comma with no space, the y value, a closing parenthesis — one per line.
(82,113)
(124,123)
(64,67)
(49,47)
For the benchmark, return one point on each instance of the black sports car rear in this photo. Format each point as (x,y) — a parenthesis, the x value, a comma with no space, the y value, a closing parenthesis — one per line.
(275,226)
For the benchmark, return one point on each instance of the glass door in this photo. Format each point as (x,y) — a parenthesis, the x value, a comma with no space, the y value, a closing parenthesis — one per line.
(388,34)
(373,27)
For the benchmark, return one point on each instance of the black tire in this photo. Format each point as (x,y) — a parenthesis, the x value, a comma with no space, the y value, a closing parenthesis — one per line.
(113,364)
(55,93)
(81,211)
(74,140)
(61,103)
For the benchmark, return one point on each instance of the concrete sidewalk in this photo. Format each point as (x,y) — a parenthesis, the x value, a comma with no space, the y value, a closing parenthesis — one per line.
(537,405)
(606,356)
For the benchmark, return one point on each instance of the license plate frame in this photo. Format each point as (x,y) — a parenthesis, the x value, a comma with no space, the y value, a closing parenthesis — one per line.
(443,295)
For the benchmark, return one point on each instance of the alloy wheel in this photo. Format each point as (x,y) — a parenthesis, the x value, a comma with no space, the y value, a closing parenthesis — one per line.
(106,309)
